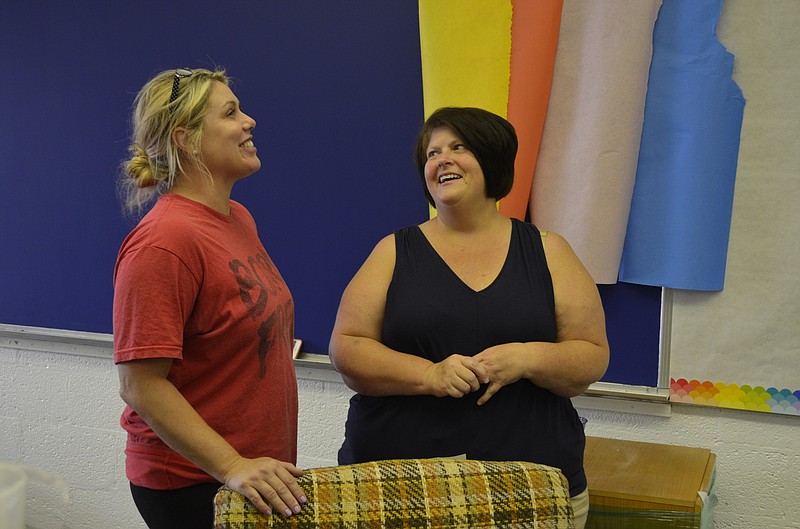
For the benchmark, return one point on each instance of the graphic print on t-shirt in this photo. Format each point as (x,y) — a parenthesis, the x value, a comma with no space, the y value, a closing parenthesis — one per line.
(258,280)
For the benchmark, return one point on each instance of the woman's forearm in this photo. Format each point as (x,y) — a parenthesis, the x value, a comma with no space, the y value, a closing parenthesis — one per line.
(566,368)
(177,423)
(369,367)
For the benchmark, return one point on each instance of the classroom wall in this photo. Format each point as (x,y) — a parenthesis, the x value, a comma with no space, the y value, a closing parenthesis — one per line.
(59,412)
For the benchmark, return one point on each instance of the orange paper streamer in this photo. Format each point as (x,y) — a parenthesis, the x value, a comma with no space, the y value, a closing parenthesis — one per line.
(534,40)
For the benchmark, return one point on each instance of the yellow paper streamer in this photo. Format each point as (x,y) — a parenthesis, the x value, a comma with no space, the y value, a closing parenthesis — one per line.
(466,53)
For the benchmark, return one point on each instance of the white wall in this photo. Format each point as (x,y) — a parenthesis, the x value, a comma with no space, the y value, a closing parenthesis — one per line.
(59,412)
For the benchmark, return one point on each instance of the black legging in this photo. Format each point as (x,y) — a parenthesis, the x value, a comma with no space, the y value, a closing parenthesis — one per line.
(186,508)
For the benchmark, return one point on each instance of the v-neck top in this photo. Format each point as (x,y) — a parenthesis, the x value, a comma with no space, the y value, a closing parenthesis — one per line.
(430,312)
(450,268)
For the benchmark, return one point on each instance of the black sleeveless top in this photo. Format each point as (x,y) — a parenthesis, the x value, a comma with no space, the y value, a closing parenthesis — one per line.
(431,313)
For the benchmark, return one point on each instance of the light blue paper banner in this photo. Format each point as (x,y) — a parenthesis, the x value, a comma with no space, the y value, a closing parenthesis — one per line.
(680,216)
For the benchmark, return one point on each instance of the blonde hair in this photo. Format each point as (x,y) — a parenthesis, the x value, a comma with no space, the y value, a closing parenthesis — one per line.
(155,159)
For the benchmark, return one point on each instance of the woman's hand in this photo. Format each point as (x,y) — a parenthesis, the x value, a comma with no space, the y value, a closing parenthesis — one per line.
(455,376)
(503,365)
(267,483)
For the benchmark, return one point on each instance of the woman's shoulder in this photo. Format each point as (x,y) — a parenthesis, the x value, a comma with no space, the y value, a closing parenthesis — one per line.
(384,253)
(171,225)
(237,208)
(554,246)
(412,228)
(558,252)
(171,218)
(529,231)
(527,226)
(385,247)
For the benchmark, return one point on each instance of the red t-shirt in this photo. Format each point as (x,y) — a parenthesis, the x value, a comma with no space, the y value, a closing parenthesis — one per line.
(197,286)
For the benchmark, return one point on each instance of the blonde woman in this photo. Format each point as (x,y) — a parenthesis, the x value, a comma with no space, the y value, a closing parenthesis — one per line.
(203,321)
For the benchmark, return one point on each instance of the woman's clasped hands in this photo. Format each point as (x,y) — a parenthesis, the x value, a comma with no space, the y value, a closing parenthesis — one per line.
(457,375)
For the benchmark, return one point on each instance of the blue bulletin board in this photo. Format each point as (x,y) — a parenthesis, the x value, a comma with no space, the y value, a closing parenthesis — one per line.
(336,91)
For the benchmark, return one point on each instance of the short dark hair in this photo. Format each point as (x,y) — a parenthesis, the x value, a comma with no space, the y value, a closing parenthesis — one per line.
(488,136)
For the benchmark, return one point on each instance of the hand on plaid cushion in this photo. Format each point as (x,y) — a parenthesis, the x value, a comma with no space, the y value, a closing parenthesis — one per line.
(267,483)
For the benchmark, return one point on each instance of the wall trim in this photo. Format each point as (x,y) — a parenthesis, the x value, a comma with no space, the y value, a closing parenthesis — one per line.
(599,396)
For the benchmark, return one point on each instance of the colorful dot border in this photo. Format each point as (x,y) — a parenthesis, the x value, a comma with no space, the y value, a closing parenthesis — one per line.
(723,395)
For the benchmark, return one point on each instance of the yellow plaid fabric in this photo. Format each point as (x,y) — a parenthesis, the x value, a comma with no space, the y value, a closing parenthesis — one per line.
(417,493)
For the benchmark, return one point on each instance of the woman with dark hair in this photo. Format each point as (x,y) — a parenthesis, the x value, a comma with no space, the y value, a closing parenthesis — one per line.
(466,336)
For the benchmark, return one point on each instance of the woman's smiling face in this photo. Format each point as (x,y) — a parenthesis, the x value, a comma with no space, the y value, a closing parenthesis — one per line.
(227,147)
(451,171)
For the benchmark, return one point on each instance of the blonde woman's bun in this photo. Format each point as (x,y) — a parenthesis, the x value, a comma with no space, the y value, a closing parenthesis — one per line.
(139,169)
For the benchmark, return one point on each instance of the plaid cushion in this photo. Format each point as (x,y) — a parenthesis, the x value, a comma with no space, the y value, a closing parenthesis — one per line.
(417,493)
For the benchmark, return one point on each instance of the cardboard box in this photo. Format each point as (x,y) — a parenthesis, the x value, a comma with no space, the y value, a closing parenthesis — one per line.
(635,485)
